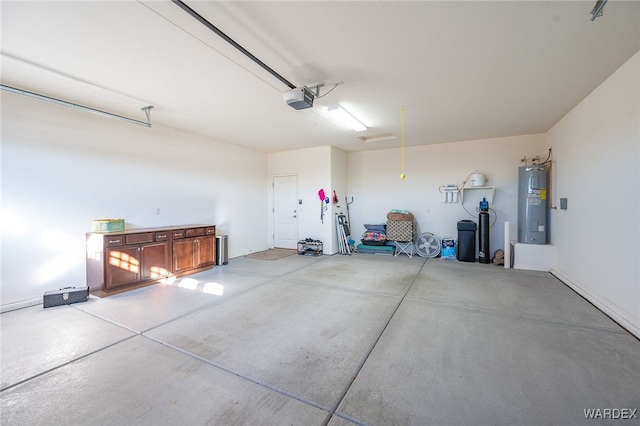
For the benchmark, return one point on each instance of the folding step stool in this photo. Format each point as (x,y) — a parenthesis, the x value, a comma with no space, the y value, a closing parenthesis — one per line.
(403,247)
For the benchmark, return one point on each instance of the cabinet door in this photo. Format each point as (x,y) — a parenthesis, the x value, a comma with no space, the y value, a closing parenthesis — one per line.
(155,260)
(206,251)
(123,266)
(183,255)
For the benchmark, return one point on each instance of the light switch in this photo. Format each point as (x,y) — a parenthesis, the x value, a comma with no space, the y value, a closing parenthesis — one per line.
(563,203)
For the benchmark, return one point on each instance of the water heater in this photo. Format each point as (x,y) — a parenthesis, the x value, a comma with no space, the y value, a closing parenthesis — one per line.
(533,204)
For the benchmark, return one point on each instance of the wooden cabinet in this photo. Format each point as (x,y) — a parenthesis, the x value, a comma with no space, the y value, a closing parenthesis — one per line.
(131,258)
(130,264)
(194,249)
(121,261)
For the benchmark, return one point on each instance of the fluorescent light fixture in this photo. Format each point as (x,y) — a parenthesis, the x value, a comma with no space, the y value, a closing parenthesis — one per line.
(344,118)
(377,138)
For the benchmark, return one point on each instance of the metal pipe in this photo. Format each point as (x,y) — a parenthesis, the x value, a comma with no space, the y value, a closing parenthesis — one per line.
(79,107)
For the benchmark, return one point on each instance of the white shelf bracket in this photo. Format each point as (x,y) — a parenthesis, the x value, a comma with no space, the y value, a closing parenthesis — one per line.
(477,187)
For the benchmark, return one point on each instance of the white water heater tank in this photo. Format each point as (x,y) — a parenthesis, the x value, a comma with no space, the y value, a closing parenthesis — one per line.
(478,179)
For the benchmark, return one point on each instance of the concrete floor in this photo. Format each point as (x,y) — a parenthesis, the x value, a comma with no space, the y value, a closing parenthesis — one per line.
(338,340)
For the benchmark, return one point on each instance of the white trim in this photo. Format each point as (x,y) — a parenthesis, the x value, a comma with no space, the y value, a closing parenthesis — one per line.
(623,318)
(19,305)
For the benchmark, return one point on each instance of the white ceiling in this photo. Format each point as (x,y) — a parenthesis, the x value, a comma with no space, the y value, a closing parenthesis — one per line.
(462,70)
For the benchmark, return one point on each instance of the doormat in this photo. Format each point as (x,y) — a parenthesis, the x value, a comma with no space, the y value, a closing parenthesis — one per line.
(271,254)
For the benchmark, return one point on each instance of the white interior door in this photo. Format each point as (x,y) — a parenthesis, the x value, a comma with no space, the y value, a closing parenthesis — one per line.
(285,212)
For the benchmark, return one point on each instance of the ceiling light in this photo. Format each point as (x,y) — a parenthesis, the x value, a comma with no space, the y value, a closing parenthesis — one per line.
(377,138)
(344,118)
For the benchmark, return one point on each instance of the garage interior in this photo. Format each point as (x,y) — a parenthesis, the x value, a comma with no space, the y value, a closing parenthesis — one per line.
(332,340)
(139,110)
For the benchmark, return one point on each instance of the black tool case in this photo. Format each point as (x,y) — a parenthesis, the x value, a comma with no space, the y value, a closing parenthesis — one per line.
(65,296)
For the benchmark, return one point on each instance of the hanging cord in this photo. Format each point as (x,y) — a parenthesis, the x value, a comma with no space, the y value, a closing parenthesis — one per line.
(402,175)
(495,214)
(464,182)
(459,187)
(317,89)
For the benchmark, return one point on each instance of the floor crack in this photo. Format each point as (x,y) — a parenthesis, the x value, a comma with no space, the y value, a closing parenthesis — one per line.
(370,351)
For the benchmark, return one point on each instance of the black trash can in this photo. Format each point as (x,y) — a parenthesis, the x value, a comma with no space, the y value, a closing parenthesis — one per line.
(466,249)
(222,249)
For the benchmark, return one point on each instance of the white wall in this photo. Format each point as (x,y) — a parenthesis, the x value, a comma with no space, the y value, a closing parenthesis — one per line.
(596,148)
(62,168)
(374,182)
(312,167)
(339,184)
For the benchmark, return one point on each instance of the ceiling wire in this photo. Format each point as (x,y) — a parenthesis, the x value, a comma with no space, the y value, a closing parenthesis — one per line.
(232,42)
(217,31)
(205,43)
(213,28)
(318,95)
(70,77)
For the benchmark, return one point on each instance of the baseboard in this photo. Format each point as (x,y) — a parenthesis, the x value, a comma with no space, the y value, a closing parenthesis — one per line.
(19,305)
(622,317)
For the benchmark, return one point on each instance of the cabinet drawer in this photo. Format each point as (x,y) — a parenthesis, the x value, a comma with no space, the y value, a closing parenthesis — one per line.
(195,232)
(178,234)
(114,240)
(162,236)
(211,230)
(146,237)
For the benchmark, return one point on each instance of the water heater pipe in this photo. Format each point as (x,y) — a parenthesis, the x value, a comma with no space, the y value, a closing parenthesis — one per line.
(551,202)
